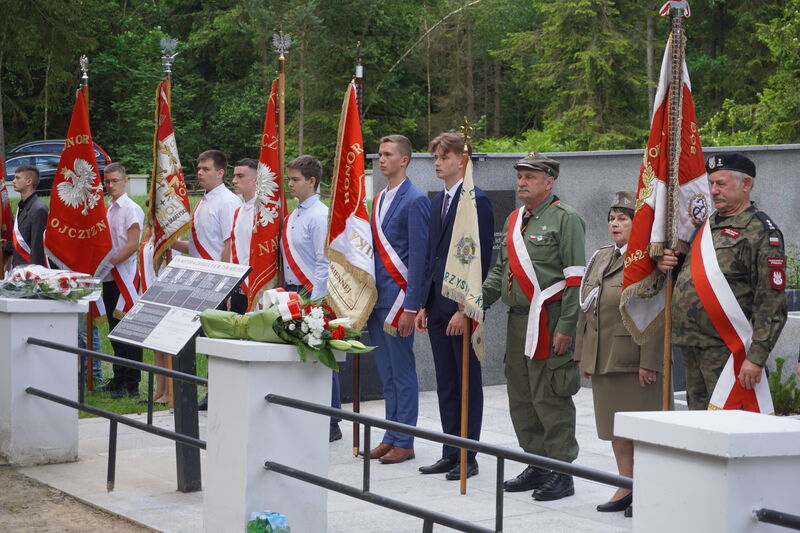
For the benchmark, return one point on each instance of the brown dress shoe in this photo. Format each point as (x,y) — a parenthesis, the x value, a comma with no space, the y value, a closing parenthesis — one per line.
(397,455)
(380,450)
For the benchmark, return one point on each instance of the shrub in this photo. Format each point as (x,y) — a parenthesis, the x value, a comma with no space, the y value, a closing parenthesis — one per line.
(785,394)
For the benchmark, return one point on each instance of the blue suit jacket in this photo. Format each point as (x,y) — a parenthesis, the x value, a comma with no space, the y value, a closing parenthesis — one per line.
(439,244)
(406,228)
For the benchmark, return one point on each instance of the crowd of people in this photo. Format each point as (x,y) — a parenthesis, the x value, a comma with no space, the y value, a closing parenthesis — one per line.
(563,317)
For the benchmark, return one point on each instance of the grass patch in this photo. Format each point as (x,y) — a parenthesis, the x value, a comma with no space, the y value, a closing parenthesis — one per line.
(103,400)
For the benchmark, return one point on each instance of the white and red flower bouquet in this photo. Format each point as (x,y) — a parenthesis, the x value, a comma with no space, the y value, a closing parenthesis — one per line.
(289,319)
(36,281)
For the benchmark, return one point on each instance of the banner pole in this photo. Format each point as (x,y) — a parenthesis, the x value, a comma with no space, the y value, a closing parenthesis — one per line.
(462,454)
(674,128)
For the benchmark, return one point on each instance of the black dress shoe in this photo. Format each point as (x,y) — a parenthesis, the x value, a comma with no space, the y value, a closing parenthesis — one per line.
(529,479)
(445,464)
(558,486)
(335,433)
(455,473)
(131,391)
(617,505)
(629,511)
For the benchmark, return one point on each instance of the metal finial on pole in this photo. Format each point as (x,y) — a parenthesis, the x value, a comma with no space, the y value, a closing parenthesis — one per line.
(281,42)
(84,61)
(168,55)
(359,80)
(466,130)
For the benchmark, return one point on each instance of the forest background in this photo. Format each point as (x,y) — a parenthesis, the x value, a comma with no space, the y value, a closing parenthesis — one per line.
(530,74)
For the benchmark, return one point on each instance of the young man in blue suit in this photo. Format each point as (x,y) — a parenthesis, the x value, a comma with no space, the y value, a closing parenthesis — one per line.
(441,316)
(400,236)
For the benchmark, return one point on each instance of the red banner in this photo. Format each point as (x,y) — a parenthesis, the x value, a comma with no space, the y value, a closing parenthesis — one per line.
(269,210)
(77,235)
(351,275)
(6,221)
(169,209)
(642,300)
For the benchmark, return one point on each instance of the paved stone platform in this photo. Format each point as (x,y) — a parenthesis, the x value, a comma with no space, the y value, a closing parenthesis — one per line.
(146,488)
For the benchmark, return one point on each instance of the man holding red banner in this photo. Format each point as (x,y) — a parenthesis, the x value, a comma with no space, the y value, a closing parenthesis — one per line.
(120,292)
(729,304)
(400,216)
(213,215)
(245,174)
(538,274)
(28,227)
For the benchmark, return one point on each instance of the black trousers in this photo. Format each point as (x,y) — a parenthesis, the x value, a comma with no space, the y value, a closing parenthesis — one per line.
(124,377)
(447,361)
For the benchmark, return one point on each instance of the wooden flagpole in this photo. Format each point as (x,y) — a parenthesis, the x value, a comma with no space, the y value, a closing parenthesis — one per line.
(84,61)
(462,454)
(356,389)
(674,117)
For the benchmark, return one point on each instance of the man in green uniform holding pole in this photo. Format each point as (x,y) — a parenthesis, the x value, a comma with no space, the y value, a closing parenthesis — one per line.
(537,274)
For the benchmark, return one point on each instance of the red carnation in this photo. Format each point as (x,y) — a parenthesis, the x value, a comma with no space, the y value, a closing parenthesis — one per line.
(338,333)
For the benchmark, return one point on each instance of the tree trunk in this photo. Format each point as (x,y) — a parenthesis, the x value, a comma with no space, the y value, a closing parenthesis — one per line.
(428,78)
(2,128)
(301,93)
(496,96)
(46,84)
(470,83)
(651,82)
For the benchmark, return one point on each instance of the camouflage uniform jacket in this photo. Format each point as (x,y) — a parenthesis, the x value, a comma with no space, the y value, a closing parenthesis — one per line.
(555,239)
(748,247)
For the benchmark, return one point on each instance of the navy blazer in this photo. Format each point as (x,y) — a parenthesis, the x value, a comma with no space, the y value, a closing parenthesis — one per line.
(439,243)
(406,228)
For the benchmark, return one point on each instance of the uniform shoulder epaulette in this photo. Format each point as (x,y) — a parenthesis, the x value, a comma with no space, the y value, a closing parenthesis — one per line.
(769,225)
(566,208)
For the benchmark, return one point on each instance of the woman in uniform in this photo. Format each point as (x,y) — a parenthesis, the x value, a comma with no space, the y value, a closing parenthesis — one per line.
(624,374)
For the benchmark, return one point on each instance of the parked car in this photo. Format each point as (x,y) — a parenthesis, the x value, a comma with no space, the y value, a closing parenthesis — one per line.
(46,163)
(40,154)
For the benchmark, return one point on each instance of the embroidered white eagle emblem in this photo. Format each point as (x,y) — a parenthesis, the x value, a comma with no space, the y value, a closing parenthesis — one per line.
(266,203)
(78,189)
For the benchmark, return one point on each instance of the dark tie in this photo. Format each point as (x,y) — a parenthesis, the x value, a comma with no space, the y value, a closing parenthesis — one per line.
(445,206)
(526,216)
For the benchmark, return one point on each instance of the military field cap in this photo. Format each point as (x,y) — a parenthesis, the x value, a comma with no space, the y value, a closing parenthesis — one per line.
(734,161)
(624,199)
(538,161)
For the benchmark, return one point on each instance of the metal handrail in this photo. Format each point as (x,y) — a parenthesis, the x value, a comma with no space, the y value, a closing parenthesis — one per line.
(778,518)
(190,378)
(458,442)
(155,430)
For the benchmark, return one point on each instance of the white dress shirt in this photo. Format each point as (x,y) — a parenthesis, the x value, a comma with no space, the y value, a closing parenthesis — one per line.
(308,230)
(122,214)
(213,220)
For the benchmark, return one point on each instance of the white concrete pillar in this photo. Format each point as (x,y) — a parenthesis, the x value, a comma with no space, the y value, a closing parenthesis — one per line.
(243,431)
(34,430)
(706,471)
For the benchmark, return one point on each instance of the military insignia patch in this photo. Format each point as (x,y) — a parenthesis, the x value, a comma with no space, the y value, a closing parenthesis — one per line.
(730,232)
(711,162)
(698,208)
(776,262)
(774,241)
(536,238)
(777,279)
(465,250)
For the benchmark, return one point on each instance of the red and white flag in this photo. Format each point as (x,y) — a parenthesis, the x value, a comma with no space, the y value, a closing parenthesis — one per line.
(77,236)
(169,210)
(6,220)
(268,211)
(351,273)
(643,297)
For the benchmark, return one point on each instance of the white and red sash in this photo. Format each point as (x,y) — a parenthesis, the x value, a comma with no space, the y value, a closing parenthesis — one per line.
(537,336)
(195,236)
(295,262)
(393,265)
(732,326)
(126,279)
(20,245)
(234,248)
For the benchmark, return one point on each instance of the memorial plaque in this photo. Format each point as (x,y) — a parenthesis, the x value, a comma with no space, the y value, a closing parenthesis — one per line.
(167,316)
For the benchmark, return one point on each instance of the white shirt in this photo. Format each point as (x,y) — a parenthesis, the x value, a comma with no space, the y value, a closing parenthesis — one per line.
(309,230)
(122,214)
(388,196)
(213,221)
(243,232)
(451,192)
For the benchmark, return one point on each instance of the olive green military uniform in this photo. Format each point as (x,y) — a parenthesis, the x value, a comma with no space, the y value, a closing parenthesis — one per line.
(750,250)
(540,390)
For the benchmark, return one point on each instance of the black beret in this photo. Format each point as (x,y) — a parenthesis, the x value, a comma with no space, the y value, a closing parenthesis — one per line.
(734,161)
